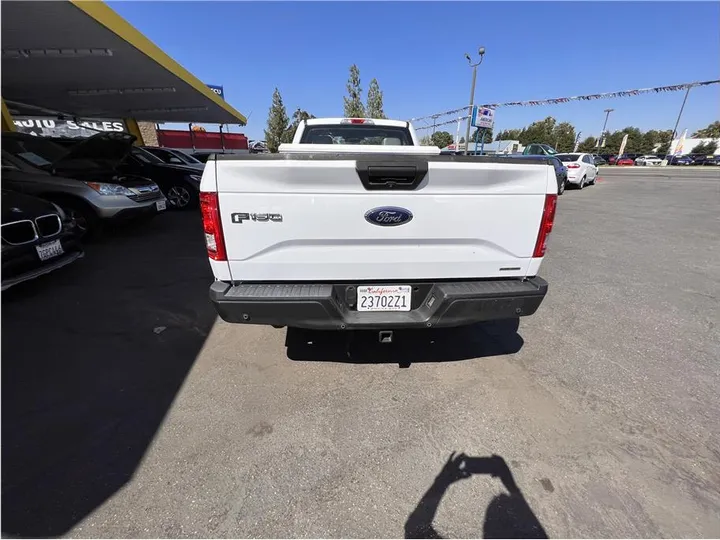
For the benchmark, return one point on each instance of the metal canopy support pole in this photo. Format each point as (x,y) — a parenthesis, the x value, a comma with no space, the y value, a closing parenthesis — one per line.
(482,142)
(7,120)
(134,129)
(677,123)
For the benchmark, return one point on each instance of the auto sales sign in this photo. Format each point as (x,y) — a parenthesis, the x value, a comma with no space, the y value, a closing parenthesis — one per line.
(48,126)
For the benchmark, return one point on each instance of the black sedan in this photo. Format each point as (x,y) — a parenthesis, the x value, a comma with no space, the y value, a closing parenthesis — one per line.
(37,238)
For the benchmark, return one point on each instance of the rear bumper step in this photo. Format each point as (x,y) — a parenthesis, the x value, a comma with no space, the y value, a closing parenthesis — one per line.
(326,306)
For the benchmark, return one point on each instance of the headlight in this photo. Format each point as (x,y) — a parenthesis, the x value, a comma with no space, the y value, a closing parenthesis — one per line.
(109,189)
(195,177)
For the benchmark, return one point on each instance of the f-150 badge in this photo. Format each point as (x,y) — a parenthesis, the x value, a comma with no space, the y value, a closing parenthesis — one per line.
(388,216)
(244,216)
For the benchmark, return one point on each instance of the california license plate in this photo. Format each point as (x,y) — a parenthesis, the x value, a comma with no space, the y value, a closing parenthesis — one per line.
(160,205)
(49,250)
(384,298)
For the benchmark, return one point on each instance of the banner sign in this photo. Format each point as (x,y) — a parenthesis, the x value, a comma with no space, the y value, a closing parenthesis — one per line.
(622,145)
(483,117)
(219,90)
(48,126)
(555,101)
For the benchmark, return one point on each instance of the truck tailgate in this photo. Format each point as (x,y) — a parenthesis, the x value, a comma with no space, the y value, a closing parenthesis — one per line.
(355,217)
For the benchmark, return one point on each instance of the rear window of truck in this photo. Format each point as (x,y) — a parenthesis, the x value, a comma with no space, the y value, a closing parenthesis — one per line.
(356,134)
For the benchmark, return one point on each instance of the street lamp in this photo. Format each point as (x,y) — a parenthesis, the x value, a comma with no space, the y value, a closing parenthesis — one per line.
(602,133)
(481,52)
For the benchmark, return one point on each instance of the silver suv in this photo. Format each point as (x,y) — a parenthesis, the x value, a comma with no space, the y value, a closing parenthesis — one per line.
(95,195)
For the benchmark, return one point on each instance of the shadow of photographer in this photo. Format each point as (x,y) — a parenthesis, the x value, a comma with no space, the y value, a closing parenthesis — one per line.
(507,516)
(490,338)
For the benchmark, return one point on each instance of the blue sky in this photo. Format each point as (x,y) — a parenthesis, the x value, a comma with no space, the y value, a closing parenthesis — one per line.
(415,50)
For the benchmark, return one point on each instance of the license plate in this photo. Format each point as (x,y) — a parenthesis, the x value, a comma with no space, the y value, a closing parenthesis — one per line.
(49,250)
(160,205)
(384,298)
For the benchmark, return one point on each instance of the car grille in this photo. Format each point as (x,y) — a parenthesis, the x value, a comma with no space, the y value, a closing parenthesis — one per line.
(26,231)
(48,225)
(19,232)
(145,193)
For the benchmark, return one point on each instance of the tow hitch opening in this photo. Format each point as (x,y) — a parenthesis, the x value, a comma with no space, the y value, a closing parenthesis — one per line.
(385,336)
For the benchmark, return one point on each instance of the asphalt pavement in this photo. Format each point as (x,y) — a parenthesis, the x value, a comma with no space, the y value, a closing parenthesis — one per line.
(128,410)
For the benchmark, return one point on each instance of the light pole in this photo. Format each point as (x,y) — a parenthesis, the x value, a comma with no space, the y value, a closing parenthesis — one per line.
(602,133)
(481,52)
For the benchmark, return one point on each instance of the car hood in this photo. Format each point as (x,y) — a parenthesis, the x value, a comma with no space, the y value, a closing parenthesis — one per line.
(17,206)
(110,147)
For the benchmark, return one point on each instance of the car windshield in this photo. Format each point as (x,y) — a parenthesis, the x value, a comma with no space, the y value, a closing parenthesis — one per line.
(36,151)
(186,158)
(145,156)
(567,158)
(356,134)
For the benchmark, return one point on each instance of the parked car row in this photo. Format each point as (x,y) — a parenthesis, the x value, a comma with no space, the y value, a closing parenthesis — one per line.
(58,193)
(654,160)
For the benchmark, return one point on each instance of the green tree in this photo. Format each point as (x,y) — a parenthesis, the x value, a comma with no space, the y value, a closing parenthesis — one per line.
(509,135)
(375,101)
(538,132)
(462,140)
(441,139)
(277,123)
(588,145)
(712,131)
(485,137)
(563,137)
(298,116)
(663,149)
(354,107)
(705,148)
(650,140)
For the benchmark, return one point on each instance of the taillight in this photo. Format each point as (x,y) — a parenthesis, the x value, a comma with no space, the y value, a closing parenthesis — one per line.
(573,166)
(214,239)
(546,225)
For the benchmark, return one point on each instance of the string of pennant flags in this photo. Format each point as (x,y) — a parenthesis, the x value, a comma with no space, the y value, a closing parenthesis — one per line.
(555,101)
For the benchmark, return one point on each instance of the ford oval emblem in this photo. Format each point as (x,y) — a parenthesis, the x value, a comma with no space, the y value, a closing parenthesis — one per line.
(388,216)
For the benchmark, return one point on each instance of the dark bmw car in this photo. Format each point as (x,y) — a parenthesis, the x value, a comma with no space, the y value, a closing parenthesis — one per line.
(37,238)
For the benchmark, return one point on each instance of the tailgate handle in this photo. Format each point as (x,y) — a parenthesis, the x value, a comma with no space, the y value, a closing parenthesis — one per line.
(391,176)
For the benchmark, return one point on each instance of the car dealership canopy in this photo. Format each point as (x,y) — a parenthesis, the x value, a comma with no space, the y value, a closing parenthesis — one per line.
(82,59)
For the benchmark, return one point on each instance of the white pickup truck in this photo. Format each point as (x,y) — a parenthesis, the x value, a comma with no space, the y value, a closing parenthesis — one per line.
(354,225)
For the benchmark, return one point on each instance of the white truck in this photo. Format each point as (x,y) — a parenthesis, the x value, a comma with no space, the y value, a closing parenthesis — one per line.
(354,225)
